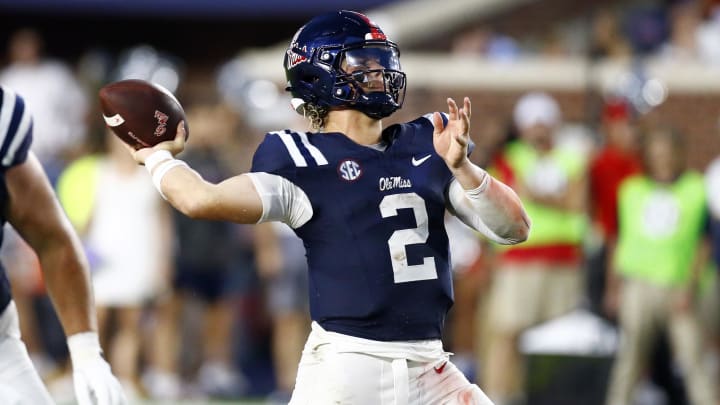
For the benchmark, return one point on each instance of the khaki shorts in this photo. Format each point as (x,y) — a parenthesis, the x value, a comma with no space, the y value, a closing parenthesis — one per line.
(523,295)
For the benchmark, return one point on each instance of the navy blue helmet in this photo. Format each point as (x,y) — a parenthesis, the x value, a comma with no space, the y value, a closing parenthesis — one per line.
(342,59)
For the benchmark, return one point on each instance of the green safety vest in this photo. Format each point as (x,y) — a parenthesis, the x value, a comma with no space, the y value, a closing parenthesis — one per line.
(550,226)
(660,228)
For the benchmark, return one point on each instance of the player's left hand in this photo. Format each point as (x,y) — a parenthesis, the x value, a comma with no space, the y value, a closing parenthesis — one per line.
(93,381)
(175,146)
(451,140)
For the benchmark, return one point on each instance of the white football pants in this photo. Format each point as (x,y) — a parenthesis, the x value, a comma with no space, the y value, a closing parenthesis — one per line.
(20,384)
(340,369)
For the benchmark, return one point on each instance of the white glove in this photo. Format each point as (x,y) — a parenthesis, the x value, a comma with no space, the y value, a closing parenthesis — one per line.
(94,382)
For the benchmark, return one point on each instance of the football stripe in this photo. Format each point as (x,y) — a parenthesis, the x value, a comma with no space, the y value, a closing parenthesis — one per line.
(314,151)
(6,112)
(18,138)
(295,154)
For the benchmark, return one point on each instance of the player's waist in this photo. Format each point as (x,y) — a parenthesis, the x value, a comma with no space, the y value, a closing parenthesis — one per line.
(424,351)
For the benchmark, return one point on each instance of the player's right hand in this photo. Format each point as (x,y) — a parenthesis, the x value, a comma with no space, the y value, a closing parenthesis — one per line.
(93,380)
(96,385)
(175,146)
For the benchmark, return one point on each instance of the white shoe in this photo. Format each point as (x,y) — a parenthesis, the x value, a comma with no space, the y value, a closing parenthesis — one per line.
(220,381)
(162,385)
(131,390)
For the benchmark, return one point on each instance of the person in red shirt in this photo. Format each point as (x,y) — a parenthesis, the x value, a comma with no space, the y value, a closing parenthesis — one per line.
(616,160)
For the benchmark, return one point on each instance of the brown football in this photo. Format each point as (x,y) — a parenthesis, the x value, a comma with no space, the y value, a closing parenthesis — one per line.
(141,113)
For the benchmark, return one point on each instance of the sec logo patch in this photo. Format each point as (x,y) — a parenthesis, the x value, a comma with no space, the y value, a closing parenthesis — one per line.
(349,170)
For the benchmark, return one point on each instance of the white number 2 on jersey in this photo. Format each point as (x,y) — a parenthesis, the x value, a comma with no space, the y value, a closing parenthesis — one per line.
(403,272)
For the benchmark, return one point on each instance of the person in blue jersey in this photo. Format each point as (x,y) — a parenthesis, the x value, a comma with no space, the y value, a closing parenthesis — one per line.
(27,202)
(369,204)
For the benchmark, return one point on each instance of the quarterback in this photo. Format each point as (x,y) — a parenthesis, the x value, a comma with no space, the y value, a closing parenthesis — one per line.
(368,203)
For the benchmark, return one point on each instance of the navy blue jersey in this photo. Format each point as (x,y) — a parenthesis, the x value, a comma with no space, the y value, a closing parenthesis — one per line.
(376,244)
(15,140)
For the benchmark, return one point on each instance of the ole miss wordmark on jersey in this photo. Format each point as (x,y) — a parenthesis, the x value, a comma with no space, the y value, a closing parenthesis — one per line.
(376,244)
(15,140)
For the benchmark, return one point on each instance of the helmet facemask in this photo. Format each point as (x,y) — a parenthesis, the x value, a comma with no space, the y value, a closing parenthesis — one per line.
(369,78)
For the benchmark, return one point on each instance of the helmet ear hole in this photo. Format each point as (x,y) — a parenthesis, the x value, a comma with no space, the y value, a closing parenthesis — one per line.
(311,79)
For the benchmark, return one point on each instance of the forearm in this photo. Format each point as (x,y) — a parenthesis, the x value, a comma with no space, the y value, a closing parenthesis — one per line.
(37,216)
(469,175)
(490,206)
(234,199)
(185,190)
(67,280)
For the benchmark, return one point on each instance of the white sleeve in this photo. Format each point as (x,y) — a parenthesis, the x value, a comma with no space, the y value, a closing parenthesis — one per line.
(477,211)
(281,200)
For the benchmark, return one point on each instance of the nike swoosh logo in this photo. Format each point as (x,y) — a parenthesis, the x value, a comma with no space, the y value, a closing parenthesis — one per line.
(418,162)
(440,369)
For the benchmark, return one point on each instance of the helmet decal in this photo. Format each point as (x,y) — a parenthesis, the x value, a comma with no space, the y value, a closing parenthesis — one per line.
(375,34)
(294,58)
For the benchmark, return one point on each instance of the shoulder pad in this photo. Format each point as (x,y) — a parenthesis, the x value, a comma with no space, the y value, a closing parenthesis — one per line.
(286,150)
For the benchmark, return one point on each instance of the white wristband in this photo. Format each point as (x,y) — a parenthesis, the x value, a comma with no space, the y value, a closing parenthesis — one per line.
(475,192)
(161,171)
(155,158)
(83,347)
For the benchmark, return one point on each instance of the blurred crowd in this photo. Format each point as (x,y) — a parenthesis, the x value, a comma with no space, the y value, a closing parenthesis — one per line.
(674,30)
(625,238)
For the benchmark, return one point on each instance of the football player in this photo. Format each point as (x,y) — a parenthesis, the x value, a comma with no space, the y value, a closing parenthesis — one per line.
(29,205)
(368,203)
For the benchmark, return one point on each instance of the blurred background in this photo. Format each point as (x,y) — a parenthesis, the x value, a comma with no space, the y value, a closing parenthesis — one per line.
(218,312)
